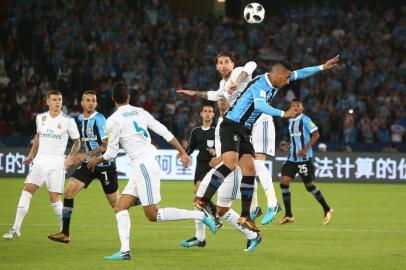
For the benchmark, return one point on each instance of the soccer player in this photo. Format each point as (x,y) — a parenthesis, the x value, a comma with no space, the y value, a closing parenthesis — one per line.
(227,193)
(128,127)
(303,135)
(91,125)
(49,163)
(235,81)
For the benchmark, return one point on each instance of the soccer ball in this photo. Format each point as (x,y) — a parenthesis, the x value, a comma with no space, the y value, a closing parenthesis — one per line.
(254,13)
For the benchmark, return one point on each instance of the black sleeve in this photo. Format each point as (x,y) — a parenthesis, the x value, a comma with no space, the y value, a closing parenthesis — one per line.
(192,143)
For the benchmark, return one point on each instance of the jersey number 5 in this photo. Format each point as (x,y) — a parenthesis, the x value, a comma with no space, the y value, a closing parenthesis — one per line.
(140,129)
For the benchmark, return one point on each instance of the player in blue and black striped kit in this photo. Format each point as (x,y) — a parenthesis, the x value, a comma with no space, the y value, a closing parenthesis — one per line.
(303,135)
(235,134)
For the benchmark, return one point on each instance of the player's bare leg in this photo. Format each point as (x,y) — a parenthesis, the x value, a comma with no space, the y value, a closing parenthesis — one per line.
(22,209)
(112,198)
(285,182)
(71,190)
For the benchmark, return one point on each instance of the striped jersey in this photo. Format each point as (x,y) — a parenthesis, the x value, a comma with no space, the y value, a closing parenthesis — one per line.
(300,129)
(92,132)
(243,110)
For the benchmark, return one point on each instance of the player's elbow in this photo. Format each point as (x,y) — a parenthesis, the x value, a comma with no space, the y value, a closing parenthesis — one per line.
(316,135)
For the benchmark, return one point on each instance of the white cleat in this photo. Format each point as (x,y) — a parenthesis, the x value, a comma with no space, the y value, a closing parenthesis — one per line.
(11,234)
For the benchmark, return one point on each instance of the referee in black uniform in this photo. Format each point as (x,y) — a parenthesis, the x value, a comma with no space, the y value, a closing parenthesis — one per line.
(202,139)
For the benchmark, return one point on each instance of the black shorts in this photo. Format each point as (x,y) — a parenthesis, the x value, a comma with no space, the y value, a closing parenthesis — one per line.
(107,177)
(202,168)
(235,137)
(305,169)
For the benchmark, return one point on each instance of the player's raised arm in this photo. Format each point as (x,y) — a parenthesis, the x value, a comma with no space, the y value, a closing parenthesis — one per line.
(310,71)
(246,72)
(33,152)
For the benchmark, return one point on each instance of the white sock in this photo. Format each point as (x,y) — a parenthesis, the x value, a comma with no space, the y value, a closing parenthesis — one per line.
(266,180)
(232,217)
(22,209)
(200,230)
(57,206)
(124,226)
(254,202)
(169,214)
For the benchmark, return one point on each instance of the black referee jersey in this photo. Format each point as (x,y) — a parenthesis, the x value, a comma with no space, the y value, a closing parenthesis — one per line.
(201,139)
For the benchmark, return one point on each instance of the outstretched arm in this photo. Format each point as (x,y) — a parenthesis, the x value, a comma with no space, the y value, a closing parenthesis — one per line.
(209,95)
(310,71)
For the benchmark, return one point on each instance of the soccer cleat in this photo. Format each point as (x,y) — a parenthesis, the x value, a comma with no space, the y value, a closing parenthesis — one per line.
(257,213)
(285,220)
(193,242)
(246,222)
(253,243)
(205,208)
(11,234)
(210,223)
(327,216)
(119,256)
(271,213)
(219,223)
(59,237)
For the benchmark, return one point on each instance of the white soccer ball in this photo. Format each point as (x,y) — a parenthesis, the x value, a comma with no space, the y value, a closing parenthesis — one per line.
(254,13)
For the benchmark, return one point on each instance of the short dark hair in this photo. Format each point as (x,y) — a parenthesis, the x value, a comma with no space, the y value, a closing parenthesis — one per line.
(54,92)
(120,92)
(89,92)
(296,100)
(225,54)
(283,64)
(208,104)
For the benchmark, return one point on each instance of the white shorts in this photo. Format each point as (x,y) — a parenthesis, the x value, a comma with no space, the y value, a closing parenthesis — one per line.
(228,191)
(54,179)
(263,136)
(145,182)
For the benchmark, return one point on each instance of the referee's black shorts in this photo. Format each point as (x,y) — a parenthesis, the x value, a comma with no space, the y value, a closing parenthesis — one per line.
(202,168)
(107,176)
(235,137)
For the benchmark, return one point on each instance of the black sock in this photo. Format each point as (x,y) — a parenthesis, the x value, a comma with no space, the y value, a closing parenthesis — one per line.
(66,213)
(212,207)
(286,199)
(319,197)
(247,191)
(216,180)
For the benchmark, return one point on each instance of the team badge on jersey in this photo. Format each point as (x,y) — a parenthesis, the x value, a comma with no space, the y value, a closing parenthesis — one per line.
(262,93)
(210,143)
(44,118)
(59,126)
(235,138)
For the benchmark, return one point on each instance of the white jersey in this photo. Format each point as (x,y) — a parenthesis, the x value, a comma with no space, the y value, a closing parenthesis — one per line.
(128,127)
(224,84)
(217,141)
(53,136)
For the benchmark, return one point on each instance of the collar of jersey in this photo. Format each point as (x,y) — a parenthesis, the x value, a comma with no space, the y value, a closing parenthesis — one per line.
(49,114)
(267,80)
(298,117)
(91,116)
(206,128)
(123,107)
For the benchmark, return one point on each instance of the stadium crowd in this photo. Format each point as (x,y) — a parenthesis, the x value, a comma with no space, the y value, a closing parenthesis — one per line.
(81,46)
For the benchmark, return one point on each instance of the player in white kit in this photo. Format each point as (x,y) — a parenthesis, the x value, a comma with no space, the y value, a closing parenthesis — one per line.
(227,193)
(128,127)
(48,157)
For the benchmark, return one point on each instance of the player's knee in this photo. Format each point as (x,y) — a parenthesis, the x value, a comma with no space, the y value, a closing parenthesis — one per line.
(30,188)
(54,197)
(151,216)
(310,187)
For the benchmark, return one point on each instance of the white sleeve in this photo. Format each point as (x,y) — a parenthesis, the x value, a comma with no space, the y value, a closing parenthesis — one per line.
(157,127)
(113,131)
(250,67)
(73,129)
(212,95)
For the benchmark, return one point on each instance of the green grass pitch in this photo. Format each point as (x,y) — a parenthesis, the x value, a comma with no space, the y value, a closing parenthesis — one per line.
(368,231)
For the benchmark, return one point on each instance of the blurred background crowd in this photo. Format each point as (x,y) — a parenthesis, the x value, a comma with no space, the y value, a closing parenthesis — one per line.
(74,46)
